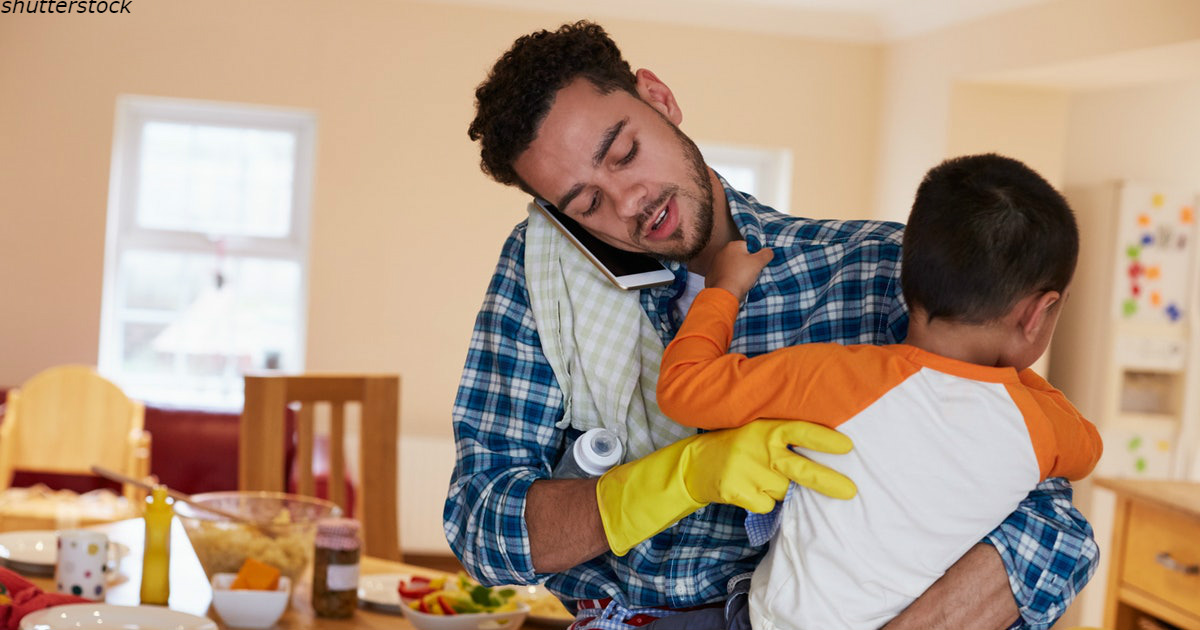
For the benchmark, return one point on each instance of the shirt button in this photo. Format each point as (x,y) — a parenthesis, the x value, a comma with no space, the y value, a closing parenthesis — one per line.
(680,588)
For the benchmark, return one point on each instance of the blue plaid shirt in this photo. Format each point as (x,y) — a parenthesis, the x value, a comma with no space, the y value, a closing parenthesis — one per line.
(830,281)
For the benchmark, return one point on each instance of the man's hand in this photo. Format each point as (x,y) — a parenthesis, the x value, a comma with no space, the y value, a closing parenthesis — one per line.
(749,466)
(736,270)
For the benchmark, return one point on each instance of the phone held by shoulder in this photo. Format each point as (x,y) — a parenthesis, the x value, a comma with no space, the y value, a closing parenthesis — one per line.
(627,270)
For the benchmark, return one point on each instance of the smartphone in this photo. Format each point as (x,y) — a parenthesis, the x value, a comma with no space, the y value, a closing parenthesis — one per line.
(627,270)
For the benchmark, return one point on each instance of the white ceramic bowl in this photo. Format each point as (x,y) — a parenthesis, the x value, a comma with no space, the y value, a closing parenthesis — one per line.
(510,620)
(247,608)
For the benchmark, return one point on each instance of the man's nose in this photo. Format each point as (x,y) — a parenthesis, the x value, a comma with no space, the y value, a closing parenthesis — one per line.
(630,200)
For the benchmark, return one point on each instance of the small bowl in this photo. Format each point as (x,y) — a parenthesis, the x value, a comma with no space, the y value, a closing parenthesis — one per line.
(510,620)
(244,608)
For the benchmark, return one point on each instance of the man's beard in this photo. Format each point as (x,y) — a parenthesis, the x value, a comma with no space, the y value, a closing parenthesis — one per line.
(703,227)
(704,205)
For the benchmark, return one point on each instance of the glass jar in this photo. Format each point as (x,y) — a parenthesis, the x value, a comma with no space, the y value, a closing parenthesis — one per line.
(335,568)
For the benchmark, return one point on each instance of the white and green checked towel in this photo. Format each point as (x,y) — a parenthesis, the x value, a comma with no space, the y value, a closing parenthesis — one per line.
(603,348)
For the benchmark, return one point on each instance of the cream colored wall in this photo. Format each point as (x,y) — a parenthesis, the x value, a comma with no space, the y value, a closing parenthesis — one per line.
(1145,133)
(920,74)
(405,228)
(1027,122)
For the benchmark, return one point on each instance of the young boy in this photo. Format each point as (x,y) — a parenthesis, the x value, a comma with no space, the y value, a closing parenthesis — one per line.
(951,429)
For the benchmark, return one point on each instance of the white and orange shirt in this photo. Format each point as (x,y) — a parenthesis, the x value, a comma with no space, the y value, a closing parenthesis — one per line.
(943,451)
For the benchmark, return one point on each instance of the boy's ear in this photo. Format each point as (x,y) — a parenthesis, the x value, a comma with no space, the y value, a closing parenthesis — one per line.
(658,95)
(1034,313)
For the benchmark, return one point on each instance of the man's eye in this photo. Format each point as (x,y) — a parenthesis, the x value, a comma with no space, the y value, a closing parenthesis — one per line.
(633,151)
(591,206)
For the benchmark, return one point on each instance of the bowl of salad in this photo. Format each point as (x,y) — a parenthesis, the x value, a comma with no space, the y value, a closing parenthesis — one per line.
(459,603)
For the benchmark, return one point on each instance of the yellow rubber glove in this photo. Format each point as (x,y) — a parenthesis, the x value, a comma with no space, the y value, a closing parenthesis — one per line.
(749,466)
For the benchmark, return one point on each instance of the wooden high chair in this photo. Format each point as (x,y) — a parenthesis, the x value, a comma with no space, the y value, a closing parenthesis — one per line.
(67,419)
(263,434)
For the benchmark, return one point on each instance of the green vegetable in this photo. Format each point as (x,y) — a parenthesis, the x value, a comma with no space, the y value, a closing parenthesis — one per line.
(465,596)
(481,595)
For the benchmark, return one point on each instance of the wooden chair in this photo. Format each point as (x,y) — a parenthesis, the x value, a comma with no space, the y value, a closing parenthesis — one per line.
(66,419)
(262,443)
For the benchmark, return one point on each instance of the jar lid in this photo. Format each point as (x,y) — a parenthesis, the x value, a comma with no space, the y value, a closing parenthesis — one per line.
(338,533)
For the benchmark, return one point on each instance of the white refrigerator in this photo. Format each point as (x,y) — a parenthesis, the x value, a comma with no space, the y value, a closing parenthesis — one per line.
(1127,348)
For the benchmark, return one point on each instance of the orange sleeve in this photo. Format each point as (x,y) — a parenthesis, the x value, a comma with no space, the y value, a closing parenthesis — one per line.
(1066,443)
(702,386)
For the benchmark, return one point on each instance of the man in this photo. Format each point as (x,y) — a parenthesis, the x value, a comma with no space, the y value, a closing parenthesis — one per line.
(563,117)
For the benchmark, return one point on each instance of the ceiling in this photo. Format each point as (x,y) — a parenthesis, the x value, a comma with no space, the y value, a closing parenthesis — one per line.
(880,21)
(1160,64)
(844,20)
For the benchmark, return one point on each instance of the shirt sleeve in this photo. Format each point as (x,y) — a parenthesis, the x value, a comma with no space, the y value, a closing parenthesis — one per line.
(505,411)
(1049,553)
(700,385)
(1076,446)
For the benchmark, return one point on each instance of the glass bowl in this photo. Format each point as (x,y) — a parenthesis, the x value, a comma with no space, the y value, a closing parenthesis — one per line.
(222,545)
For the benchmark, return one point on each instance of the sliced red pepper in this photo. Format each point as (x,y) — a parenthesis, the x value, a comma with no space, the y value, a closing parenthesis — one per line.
(446,607)
(414,592)
(423,607)
(415,588)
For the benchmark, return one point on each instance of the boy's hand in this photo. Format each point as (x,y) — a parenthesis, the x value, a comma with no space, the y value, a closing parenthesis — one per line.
(736,270)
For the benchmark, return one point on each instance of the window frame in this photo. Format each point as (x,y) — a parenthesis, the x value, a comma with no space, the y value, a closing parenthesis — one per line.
(772,165)
(124,234)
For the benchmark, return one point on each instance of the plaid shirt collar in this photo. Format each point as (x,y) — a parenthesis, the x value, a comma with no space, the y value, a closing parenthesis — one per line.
(746,213)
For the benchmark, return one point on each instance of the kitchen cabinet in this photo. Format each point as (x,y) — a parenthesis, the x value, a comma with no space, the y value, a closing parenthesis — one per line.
(1154,575)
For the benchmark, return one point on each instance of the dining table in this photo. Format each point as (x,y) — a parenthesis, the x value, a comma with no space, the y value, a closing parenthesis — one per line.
(191,592)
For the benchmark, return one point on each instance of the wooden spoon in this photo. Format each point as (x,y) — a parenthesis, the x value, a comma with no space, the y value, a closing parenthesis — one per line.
(265,528)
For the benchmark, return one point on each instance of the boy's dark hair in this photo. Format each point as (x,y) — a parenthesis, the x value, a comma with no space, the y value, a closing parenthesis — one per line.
(984,232)
(513,101)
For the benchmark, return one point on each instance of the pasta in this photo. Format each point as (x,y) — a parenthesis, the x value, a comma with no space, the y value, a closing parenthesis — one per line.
(222,547)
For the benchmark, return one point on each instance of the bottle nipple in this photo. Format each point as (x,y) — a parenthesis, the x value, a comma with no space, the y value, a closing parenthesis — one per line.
(604,443)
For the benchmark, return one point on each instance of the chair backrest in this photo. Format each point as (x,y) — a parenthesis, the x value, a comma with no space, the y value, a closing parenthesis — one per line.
(68,418)
(263,434)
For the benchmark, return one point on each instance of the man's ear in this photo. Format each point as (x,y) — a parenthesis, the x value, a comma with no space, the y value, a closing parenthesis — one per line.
(1034,313)
(658,95)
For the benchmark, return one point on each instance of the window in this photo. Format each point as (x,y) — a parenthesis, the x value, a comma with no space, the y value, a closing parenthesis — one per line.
(764,173)
(205,262)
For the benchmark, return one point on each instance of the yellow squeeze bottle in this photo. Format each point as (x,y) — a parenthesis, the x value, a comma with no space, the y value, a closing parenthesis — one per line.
(156,587)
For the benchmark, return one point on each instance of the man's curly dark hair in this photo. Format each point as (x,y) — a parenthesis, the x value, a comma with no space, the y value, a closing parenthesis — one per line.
(512,102)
